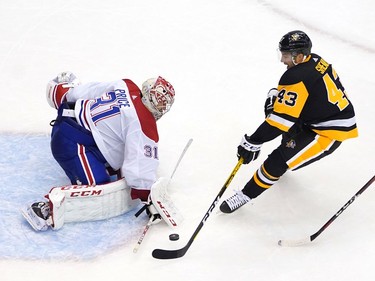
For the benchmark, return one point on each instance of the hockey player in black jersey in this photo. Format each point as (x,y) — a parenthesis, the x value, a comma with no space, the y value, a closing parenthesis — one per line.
(311,111)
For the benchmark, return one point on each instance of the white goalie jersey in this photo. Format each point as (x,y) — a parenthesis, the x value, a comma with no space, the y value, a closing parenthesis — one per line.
(123,128)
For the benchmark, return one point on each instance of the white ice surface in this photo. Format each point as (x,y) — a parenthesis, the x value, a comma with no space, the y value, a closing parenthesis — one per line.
(220,56)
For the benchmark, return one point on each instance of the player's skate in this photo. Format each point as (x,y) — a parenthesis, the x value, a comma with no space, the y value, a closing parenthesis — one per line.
(38,216)
(234,202)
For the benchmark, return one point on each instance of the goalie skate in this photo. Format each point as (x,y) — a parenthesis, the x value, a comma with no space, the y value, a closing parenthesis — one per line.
(38,216)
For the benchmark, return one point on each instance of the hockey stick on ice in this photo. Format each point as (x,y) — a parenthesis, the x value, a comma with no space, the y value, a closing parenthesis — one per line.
(149,223)
(303,241)
(173,254)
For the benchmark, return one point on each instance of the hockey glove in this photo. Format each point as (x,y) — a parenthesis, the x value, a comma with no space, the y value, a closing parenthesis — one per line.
(270,101)
(249,151)
(58,88)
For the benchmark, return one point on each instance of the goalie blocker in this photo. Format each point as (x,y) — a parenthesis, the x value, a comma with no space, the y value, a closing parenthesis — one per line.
(79,203)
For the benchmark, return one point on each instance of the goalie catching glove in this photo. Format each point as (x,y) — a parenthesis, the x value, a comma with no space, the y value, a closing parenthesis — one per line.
(58,88)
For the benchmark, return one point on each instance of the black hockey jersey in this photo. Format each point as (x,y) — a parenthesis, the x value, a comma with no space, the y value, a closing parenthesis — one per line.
(311,93)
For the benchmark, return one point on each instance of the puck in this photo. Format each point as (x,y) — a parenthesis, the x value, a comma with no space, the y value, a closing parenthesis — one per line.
(174,237)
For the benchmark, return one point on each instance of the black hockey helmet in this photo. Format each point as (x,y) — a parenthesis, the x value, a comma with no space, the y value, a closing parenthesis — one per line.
(295,42)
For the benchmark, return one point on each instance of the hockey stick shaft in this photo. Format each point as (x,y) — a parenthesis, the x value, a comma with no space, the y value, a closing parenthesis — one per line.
(148,225)
(140,240)
(172,254)
(181,156)
(312,237)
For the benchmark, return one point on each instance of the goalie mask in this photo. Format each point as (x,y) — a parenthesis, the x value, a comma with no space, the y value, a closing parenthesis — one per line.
(157,96)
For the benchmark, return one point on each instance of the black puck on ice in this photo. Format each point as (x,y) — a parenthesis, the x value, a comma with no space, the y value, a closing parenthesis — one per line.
(174,237)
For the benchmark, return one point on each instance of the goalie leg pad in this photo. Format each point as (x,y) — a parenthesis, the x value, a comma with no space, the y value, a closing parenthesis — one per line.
(78,203)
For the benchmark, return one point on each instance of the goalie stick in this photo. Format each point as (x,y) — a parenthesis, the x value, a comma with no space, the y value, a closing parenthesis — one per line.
(149,223)
(179,160)
(303,241)
(173,254)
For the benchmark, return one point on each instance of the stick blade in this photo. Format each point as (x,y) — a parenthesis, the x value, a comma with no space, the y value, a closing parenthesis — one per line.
(168,254)
(294,243)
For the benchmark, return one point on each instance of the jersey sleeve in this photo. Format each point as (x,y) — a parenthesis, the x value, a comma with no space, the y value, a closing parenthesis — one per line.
(265,133)
(89,91)
(140,161)
(288,105)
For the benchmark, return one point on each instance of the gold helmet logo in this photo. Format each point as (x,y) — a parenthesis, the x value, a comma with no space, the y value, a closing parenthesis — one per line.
(295,37)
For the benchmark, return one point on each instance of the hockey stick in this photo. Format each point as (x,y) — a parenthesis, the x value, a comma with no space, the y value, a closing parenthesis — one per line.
(143,235)
(148,225)
(299,242)
(179,160)
(173,254)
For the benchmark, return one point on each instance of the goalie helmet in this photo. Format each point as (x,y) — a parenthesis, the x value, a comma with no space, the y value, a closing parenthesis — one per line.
(295,42)
(158,96)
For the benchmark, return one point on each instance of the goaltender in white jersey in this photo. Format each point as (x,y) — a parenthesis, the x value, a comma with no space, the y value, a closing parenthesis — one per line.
(105,130)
